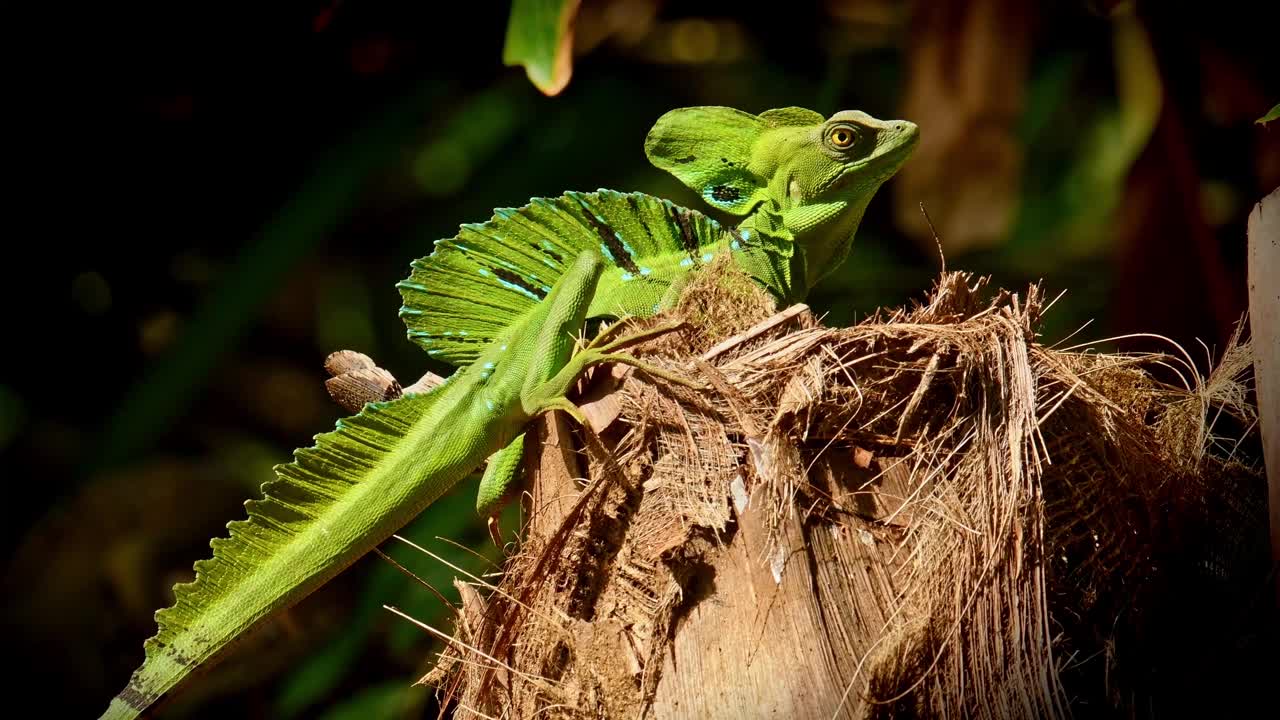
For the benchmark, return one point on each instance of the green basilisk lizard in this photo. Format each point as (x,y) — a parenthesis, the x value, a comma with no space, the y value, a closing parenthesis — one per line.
(504,301)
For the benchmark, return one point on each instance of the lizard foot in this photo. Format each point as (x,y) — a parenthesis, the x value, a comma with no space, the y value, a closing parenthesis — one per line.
(551,394)
(604,348)
(607,342)
(595,357)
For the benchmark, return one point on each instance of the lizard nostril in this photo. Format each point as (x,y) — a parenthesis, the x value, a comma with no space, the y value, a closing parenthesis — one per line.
(904,128)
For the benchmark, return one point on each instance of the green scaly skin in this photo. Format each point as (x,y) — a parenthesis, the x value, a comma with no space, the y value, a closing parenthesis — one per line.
(800,183)
(503,301)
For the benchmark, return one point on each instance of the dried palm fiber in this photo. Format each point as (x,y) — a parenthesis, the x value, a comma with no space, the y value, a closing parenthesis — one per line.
(929,514)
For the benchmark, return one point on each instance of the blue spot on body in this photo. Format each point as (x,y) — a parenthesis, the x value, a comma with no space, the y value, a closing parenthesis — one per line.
(746,235)
(709,194)
(707,257)
(657,308)
(645,271)
(522,290)
(686,262)
(488,404)
(484,272)
(627,276)
(462,332)
(618,236)
(413,285)
(433,352)
(735,245)
(489,366)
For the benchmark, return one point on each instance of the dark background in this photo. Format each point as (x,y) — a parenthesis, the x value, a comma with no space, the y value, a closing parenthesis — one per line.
(223,194)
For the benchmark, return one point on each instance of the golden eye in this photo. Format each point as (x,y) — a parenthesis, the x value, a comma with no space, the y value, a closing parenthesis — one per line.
(842,137)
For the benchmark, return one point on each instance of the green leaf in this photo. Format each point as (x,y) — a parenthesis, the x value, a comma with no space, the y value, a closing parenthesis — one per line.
(471,134)
(1273,114)
(388,700)
(540,37)
(320,673)
(167,390)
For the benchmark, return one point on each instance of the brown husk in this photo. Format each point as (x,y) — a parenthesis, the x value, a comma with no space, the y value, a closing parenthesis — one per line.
(928,514)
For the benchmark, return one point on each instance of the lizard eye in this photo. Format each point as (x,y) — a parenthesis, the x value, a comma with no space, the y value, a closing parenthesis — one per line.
(842,137)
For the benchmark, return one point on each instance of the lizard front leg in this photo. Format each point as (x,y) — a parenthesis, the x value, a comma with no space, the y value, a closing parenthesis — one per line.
(552,394)
(551,368)
(503,475)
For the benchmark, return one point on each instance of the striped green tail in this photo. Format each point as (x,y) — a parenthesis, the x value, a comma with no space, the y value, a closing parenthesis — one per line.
(309,526)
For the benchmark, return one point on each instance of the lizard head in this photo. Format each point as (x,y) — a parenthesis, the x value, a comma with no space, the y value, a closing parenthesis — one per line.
(799,182)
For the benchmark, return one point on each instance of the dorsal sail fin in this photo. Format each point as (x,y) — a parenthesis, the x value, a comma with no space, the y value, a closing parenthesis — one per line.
(476,284)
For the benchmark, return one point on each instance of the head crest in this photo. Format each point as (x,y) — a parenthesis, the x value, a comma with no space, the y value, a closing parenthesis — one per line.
(709,150)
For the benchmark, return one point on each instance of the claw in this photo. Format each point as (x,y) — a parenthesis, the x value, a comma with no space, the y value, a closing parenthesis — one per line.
(599,351)
(644,367)
(607,334)
(495,531)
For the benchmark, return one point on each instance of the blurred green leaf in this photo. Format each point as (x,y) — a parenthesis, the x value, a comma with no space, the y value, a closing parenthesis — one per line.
(451,516)
(388,700)
(321,672)
(471,136)
(344,313)
(1075,180)
(311,214)
(540,37)
(1274,114)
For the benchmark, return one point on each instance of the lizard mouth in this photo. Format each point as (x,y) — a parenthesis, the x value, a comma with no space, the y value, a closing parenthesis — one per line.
(908,136)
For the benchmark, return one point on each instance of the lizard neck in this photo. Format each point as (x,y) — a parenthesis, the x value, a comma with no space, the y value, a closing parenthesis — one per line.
(790,250)
(767,253)
(824,246)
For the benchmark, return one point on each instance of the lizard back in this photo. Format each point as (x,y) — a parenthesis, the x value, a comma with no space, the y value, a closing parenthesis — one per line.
(477,284)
